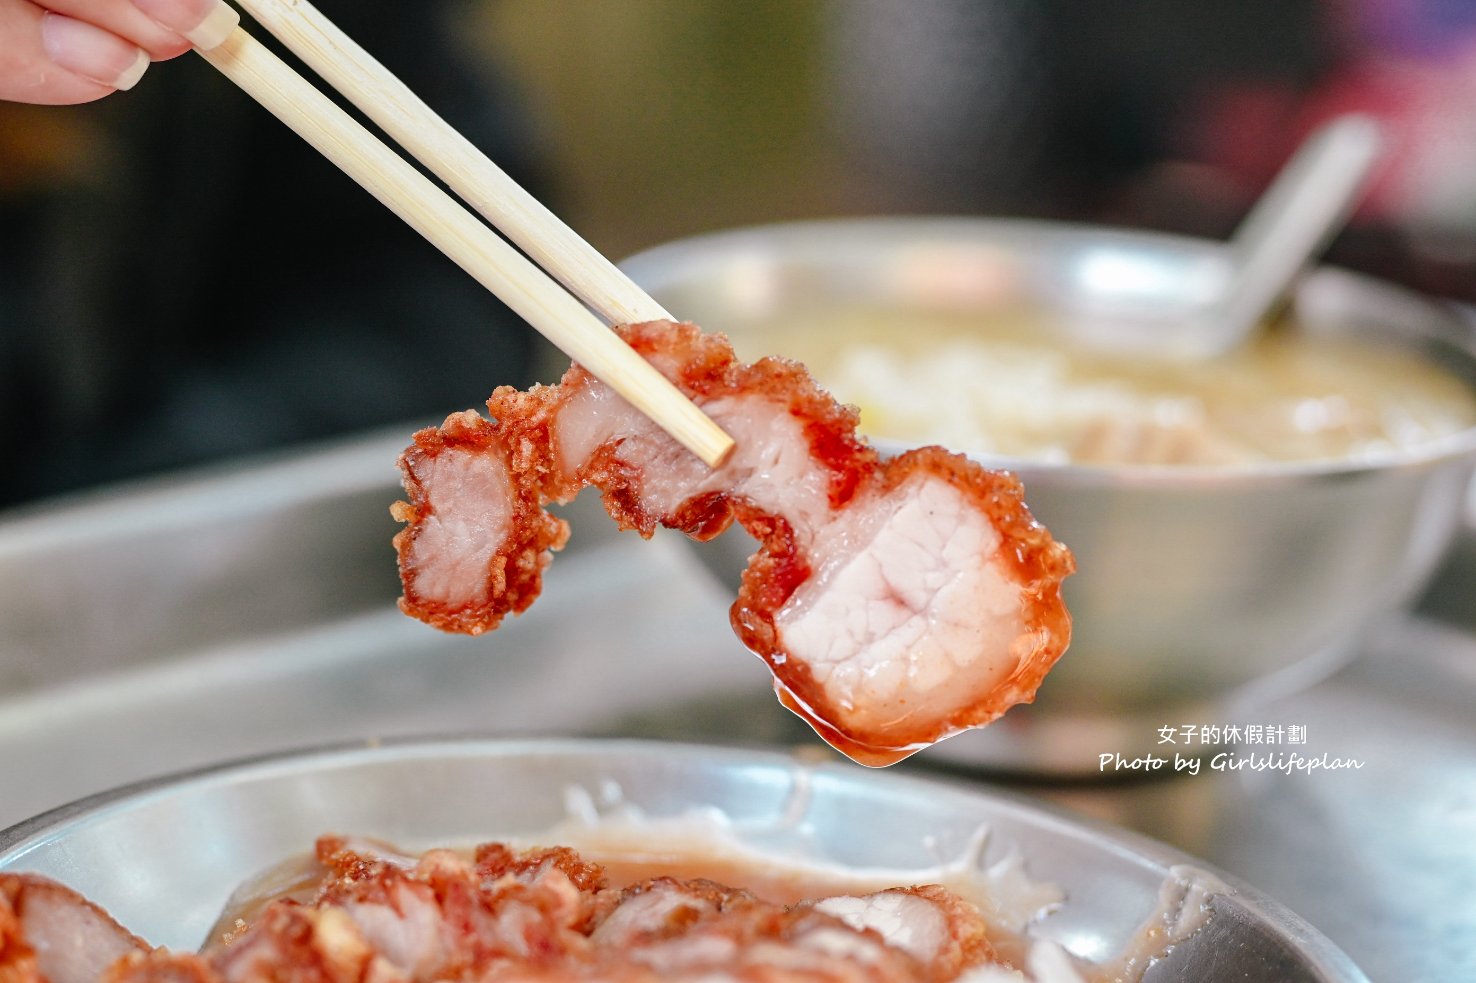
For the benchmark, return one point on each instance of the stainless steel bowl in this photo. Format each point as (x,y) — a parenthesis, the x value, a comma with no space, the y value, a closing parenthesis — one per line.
(1200,592)
(163,857)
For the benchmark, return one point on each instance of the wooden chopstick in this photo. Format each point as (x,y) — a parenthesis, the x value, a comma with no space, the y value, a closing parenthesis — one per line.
(467,241)
(341,62)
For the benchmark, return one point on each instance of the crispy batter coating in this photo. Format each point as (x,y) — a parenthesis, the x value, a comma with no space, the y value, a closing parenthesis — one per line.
(896,601)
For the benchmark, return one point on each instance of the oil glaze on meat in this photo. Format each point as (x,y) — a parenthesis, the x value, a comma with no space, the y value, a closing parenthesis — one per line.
(897,602)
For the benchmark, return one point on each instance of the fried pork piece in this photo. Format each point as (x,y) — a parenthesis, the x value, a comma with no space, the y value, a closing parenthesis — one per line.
(479,548)
(929,922)
(897,602)
(161,966)
(444,914)
(51,934)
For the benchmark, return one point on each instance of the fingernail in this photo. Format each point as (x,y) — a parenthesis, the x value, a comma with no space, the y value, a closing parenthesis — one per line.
(92,52)
(205,23)
(215,28)
(133,73)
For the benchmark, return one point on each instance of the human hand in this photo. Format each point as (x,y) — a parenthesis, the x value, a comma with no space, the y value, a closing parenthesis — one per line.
(59,52)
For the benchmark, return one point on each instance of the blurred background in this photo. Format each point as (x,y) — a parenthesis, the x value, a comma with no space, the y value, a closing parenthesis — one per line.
(182,281)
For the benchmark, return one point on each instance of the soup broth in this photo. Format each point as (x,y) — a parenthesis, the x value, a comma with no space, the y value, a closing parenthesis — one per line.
(1005,386)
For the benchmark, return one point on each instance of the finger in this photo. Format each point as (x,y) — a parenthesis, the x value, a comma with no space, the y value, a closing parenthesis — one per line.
(205,22)
(52,59)
(124,19)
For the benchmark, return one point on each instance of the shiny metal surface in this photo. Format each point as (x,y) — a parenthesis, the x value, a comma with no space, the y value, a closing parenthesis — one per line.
(1198,590)
(278,647)
(169,567)
(164,858)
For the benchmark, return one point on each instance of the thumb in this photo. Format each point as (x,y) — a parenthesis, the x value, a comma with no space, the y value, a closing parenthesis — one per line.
(205,23)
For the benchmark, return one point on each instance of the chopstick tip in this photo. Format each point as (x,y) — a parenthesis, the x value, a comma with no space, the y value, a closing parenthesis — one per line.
(721,454)
(217,26)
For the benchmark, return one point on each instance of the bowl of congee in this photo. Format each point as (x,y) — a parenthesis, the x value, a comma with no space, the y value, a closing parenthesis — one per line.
(1239,522)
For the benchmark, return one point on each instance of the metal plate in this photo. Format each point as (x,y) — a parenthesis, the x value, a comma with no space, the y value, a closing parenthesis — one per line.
(164,857)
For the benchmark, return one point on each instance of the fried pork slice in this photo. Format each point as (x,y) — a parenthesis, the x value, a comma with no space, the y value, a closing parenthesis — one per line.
(698,929)
(765,942)
(290,942)
(662,908)
(17,956)
(50,933)
(929,922)
(897,602)
(161,966)
(481,538)
(445,914)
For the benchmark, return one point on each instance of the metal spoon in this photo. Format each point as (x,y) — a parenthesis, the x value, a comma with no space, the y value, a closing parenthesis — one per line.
(1293,222)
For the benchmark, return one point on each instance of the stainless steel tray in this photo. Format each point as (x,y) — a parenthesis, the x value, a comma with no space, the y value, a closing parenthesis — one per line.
(249,610)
